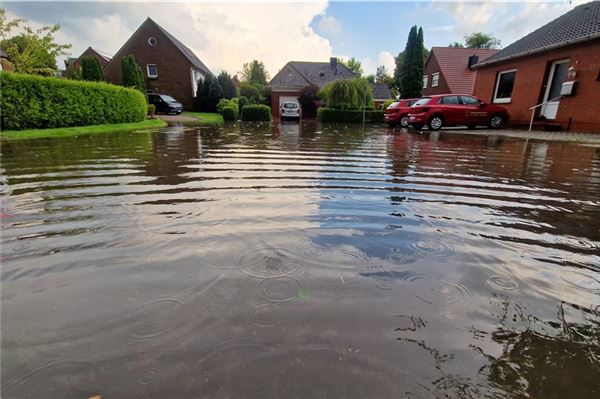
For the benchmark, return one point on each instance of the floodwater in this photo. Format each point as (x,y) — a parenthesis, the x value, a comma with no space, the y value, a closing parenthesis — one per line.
(300,261)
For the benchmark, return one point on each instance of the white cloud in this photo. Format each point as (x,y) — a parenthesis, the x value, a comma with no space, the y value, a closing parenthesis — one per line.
(330,25)
(388,61)
(369,67)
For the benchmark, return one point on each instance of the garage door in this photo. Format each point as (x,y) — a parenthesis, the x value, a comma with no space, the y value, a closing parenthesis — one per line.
(283,99)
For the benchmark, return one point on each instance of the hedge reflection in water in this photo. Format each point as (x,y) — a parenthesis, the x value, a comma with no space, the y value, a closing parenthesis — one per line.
(300,260)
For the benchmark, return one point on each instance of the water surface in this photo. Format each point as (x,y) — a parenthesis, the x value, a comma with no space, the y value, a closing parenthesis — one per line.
(300,261)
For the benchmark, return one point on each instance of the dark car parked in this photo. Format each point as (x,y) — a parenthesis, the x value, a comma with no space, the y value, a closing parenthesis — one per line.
(442,110)
(397,112)
(165,104)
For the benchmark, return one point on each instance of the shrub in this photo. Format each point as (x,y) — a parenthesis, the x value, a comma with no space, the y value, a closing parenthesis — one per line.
(34,102)
(308,100)
(387,103)
(151,110)
(132,74)
(230,113)
(350,116)
(228,89)
(258,112)
(208,94)
(91,69)
(347,94)
(251,92)
(226,103)
(242,102)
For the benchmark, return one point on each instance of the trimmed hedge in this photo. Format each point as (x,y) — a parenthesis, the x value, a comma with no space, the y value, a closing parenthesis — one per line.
(35,102)
(350,116)
(229,113)
(256,113)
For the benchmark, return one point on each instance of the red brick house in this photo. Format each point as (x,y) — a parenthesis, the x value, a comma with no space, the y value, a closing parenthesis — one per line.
(532,71)
(102,58)
(295,75)
(449,69)
(167,64)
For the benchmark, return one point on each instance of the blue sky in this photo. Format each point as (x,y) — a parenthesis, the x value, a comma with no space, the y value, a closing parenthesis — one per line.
(225,35)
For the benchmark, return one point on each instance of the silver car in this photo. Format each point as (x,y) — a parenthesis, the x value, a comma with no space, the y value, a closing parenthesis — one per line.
(290,109)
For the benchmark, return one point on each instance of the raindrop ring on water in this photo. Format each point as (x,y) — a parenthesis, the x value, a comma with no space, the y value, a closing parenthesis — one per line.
(502,282)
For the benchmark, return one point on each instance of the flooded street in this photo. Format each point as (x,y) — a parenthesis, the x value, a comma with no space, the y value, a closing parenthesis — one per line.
(300,261)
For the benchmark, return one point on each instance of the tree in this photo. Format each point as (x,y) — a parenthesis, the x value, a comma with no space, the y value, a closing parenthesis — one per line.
(228,89)
(132,74)
(456,45)
(347,94)
(353,65)
(73,72)
(254,72)
(33,51)
(252,92)
(382,76)
(308,100)
(413,67)
(398,71)
(91,69)
(370,78)
(208,94)
(481,40)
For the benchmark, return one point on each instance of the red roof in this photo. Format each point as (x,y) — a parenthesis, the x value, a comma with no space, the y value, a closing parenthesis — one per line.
(454,65)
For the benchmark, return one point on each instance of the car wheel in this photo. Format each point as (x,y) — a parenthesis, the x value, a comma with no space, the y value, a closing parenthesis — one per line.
(496,121)
(470,127)
(404,121)
(436,122)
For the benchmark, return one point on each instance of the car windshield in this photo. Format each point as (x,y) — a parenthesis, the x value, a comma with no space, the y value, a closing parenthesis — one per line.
(394,105)
(168,99)
(422,101)
(290,105)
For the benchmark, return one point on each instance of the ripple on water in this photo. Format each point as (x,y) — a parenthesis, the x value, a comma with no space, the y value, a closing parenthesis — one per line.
(156,317)
(433,247)
(270,262)
(502,282)
(279,289)
(266,315)
(437,291)
(581,280)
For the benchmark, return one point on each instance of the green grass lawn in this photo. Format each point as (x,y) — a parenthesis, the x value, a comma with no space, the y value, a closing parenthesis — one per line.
(208,118)
(79,130)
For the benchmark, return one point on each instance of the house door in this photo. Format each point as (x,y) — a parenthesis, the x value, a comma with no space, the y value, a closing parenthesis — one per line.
(558,74)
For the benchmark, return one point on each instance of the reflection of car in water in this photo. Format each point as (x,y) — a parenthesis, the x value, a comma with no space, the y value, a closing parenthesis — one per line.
(451,110)
(290,109)
(165,104)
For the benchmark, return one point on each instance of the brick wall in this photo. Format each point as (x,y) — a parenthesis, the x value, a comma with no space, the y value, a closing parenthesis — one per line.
(275,100)
(430,68)
(174,70)
(530,85)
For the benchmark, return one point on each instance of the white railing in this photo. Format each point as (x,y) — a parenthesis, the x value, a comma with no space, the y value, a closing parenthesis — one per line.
(532,109)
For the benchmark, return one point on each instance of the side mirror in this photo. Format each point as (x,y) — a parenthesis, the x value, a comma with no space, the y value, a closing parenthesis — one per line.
(483,104)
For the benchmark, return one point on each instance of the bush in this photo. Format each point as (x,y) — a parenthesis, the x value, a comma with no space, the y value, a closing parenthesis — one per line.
(151,110)
(350,116)
(208,94)
(347,94)
(387,103)
(35,102)
(308,100)
(251,92)
(242,102)
(230,113)
(132,74)
(226,103)
(91,69)
(256,113)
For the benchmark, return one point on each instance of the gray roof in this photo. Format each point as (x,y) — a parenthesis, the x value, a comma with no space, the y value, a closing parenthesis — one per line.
(189,54)
(298,74)
(578,25)
(381,91)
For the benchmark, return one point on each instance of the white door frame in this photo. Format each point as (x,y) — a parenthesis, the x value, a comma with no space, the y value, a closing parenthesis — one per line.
(550,109)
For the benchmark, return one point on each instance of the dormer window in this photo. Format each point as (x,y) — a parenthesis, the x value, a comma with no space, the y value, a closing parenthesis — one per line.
(152,41)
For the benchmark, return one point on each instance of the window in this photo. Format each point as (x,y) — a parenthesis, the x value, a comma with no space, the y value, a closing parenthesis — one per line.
(435,79)
(504,86)
(425,81)
(152,41)
(449,100)
(422,101)
(152,71)
(411,103)
(467,100)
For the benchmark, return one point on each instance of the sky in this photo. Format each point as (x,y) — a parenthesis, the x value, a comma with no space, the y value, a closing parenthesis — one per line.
(224,35)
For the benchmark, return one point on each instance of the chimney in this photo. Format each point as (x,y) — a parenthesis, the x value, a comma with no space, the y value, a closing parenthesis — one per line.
(473,60)
(333,62)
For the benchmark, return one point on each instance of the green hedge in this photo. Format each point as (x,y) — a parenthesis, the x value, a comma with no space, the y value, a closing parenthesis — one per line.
(350,116)
(256,113)
(35,102)
(230,113)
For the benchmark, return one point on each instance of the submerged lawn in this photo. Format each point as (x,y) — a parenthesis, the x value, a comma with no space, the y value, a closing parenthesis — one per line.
(79,130)
(209,118)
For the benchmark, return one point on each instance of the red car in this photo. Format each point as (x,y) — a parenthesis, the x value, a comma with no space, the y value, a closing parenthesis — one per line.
(397,112)
(456,109)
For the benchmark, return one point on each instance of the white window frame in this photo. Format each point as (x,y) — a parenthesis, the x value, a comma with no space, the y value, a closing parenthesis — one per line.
(435,79)
(508,100)
(425,81)
(148,71)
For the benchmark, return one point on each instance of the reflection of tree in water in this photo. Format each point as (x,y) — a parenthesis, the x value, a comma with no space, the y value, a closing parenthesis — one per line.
(557,359)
